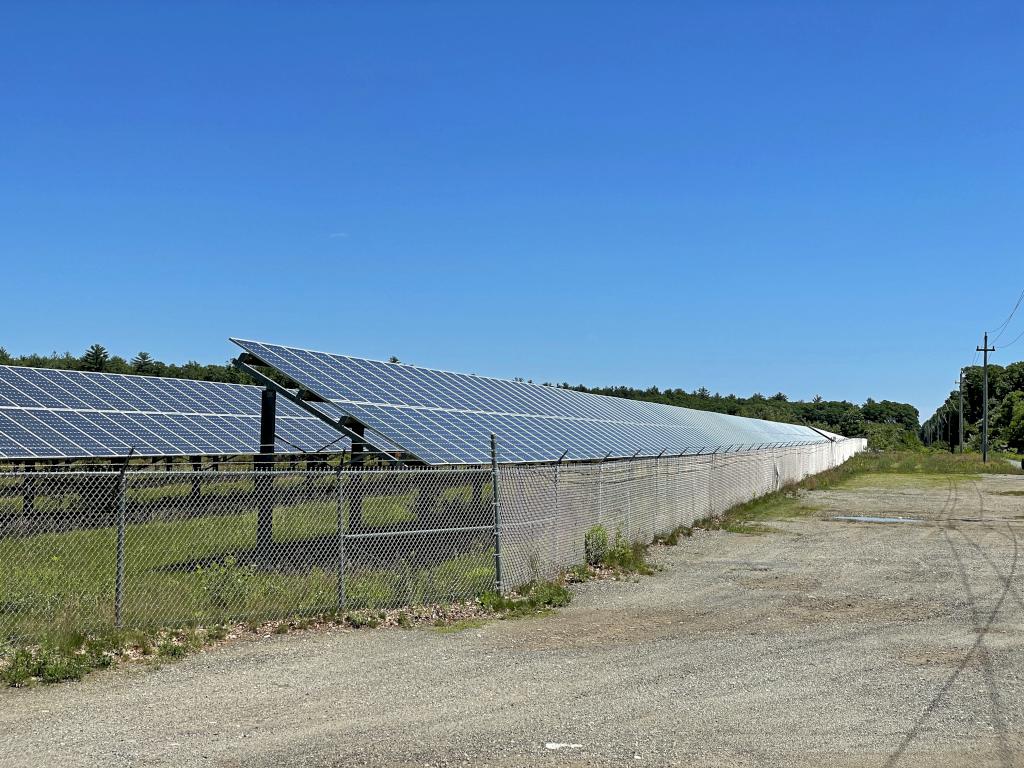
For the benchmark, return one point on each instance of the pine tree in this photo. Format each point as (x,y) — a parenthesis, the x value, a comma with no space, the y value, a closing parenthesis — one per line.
(95,358)
(143,363)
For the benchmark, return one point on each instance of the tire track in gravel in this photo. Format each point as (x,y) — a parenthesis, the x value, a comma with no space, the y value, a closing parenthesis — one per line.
(781,556)
(978,649)
(1010,536)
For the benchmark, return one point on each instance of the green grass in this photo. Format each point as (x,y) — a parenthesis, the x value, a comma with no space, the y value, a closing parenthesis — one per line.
(68,578)
(308,520)
(456,578)
(921,462)
(1007,456)
(212,486)
(529,600)
(27,666)
(672,538)
(55,504)
(71,655)
(894,469)
(617,554)
(382,511)
(360,619)
(894,480)
(168,649)
(181,572)
(305,520)
(774,506)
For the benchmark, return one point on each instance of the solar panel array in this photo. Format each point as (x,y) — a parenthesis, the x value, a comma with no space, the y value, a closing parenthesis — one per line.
(375,443)
(48,413)
(447,418)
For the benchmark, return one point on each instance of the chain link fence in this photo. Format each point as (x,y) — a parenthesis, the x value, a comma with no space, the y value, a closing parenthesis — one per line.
(84,550)
(548,509)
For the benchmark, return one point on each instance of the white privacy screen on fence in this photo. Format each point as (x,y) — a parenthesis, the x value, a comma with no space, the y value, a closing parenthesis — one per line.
(150,549)
(548,509)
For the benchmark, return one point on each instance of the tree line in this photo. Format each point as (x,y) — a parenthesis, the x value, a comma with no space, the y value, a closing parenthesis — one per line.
(97,359)
(886,424)
(1005,405)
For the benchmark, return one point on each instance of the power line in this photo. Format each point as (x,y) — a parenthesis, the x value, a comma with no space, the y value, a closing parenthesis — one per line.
(1002,326)
(1019,337)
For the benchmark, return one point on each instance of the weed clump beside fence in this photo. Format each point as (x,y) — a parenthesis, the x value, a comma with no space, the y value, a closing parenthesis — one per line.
(83,552)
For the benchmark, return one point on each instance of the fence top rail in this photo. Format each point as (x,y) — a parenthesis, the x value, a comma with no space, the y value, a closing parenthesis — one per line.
(279,467)
(224,474)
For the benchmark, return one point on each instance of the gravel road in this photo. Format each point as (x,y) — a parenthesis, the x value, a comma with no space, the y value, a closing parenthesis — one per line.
(827,642)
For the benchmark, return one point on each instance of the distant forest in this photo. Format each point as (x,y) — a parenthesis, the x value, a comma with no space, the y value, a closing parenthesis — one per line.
(1005,405)
(96,358)
(885,423)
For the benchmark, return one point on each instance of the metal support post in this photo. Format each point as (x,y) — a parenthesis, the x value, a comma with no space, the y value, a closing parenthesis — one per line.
(355,483)
(197,484)
(264,482)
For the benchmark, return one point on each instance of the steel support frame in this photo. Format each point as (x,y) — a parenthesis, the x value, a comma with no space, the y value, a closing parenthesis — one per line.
(263,463)
(345,426)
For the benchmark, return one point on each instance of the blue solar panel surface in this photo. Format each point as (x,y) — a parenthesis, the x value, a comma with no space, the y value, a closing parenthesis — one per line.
(48,413)
(447,418)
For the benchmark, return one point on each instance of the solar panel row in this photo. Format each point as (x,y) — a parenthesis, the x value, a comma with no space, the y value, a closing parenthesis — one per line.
(48,413)
(447,418)
(375,442)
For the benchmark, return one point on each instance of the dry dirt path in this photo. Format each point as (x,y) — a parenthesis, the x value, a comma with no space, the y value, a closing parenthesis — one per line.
(824,643)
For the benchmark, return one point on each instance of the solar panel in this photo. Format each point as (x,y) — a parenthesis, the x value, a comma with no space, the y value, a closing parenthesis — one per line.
(376,443)
(447,418)
(47,413)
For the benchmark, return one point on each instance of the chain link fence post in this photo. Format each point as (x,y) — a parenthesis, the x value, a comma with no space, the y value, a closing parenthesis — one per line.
(661,515)
(496,508)
(551,529)
(711,481)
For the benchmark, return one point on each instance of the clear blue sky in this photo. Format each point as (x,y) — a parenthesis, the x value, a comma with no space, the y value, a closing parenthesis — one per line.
(812,197)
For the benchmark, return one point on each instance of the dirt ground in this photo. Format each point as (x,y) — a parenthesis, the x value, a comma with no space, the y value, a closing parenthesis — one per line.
(825,642)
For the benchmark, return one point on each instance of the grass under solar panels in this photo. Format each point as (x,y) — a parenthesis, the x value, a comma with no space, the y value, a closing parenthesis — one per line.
(192,568)
(49,414)
(447,418)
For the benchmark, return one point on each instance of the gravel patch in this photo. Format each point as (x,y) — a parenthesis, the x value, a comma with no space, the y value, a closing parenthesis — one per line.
(825,642)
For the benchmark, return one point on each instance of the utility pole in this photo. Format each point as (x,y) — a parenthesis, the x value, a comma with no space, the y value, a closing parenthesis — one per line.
(961,418)
(984,418)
